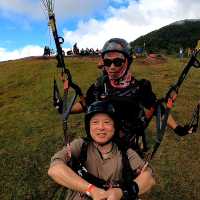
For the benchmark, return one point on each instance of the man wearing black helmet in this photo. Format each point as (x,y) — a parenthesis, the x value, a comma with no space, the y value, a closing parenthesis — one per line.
(120,174)
(133,99)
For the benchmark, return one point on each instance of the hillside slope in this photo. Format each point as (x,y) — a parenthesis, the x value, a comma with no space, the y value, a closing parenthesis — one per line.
(31,129)
(170,38)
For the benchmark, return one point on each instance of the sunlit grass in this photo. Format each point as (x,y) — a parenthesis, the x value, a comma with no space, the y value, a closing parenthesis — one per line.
(31,129)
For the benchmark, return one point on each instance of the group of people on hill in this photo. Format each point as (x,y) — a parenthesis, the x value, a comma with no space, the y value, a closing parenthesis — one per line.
(48,51)
(85,52)
(117,110)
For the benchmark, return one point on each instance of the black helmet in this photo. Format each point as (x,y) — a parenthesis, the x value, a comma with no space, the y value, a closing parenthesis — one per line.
(117,44)
(99,107)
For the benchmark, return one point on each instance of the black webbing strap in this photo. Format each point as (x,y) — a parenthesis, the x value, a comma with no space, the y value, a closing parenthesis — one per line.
(194,122)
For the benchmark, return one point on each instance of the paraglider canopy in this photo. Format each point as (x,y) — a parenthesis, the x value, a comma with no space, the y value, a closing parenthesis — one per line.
(49,5)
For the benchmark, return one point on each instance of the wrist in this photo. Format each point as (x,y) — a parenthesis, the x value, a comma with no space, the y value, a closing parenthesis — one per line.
(89,189)
(120,192)
(180,130)
(82,105)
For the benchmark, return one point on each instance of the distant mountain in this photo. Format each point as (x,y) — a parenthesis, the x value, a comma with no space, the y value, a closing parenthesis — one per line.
(170,38)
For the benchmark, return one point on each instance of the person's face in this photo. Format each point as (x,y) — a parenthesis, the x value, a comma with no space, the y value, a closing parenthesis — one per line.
(101,128)
(114,63)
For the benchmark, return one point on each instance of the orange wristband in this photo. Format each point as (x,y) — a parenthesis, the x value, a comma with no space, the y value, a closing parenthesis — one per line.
(89,189)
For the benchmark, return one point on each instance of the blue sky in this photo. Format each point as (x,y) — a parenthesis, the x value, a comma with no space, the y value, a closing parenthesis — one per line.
(24,24)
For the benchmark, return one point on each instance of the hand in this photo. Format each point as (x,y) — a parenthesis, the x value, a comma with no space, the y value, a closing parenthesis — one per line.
(98,194)
(145,179)
(114,194)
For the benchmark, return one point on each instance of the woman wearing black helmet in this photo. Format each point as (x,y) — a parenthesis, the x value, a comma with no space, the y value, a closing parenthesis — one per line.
(129,96)
(104,161)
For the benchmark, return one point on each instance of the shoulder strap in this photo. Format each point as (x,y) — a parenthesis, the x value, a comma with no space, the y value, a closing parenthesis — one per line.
(82,171)
(83,153)
(127,172)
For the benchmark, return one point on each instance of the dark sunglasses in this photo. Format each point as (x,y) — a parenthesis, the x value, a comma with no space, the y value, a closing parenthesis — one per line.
(117,62)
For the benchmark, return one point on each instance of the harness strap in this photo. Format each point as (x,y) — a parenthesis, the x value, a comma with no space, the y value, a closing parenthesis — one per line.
(161,123)
(128,173)
(194,122)
(57,100)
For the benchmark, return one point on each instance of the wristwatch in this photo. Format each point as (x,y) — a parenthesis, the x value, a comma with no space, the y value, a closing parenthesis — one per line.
(131,192)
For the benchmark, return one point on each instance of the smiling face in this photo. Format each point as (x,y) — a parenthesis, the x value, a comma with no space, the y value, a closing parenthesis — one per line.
(101,128)
(115,64)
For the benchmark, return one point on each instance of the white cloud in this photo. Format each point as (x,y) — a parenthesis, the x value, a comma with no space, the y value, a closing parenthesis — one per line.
(29,50)
(137,19)
(63,8)
(80,8)
(128,22)
(25,7)
(120,1)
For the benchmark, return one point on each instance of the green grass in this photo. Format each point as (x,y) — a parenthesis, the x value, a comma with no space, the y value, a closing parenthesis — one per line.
(31,129)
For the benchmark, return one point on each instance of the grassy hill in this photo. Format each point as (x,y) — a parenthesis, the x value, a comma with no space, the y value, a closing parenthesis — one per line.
(170,38)
(31,129)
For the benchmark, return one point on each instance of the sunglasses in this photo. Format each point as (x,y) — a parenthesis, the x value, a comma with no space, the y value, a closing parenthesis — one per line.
(117,62)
